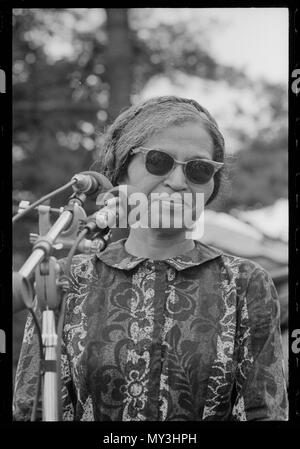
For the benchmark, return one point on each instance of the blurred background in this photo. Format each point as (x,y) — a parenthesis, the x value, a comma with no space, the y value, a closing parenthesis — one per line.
(74,70)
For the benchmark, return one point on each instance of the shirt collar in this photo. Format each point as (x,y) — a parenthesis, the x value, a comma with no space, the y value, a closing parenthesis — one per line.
(115,255)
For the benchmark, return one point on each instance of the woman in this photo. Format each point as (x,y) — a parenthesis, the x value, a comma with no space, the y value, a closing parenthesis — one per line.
(158,326)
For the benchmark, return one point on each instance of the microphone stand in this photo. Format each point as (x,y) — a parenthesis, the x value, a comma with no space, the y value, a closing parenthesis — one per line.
(49,287)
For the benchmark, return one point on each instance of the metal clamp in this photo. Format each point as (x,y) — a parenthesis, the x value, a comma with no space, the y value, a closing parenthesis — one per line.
(46,284)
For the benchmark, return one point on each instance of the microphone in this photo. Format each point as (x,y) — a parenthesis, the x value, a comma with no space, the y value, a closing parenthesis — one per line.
(90,182)
(114,210)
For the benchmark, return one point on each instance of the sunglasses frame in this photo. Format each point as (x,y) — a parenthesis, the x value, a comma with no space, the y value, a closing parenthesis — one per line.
(217,165)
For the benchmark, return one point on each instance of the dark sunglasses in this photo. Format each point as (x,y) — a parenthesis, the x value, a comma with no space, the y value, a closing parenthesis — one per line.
(160,163)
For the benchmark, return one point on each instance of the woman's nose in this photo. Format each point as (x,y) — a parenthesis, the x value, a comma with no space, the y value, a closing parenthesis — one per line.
(176,178)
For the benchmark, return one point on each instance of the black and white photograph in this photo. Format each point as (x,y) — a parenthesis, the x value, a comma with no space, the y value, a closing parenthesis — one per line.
(150,215)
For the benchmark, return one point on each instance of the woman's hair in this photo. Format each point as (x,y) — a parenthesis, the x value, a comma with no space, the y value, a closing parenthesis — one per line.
(136,124)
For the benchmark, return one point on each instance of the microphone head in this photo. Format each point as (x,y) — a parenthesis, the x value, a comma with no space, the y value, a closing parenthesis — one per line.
(91,182)
(115,203)
(122,191)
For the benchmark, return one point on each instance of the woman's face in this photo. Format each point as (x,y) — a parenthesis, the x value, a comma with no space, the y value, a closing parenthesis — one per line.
(184,142)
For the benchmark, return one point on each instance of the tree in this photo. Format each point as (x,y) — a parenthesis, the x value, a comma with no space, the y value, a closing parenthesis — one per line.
(119,57)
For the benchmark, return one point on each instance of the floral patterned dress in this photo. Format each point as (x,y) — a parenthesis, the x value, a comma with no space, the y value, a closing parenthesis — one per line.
(195,337)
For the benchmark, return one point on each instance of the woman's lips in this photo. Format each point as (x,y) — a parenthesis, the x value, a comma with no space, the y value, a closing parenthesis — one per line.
(172,203)
(169,200)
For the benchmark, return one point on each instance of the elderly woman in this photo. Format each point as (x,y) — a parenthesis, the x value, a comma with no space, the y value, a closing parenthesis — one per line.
(160,327)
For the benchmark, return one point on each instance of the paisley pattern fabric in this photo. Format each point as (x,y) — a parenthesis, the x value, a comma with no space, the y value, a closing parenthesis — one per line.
(195,337)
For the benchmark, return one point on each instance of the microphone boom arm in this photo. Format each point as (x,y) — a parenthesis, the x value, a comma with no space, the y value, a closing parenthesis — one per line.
(44,244)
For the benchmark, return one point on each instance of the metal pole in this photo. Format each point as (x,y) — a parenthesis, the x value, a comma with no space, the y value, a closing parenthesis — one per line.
(50,410)
(42,248)
(38,254)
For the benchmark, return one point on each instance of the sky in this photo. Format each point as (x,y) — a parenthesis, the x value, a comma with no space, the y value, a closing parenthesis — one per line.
(252,38)
(262,46)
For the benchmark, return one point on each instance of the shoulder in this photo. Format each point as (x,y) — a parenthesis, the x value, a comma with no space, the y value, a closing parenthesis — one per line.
(230,267)
(257,296)
(245,268)
(83,266)
(81,275)
(249,276)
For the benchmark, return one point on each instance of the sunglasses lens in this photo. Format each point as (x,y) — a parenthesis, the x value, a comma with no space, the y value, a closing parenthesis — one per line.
(158,163)
(199,172)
